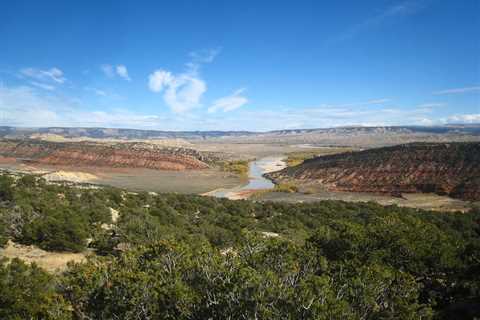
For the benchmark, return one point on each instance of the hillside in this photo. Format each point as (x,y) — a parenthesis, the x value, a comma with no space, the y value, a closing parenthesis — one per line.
(443,168)
(129,155)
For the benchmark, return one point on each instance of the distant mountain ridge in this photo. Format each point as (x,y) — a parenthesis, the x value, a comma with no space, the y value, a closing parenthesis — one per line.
(444,168)
(17,132)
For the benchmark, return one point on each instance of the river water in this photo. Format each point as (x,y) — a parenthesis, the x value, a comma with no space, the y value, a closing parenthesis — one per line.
(255,175)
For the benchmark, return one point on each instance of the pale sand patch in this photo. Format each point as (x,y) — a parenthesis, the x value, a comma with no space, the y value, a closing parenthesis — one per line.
(115,215)
(72,176)
(267,234)
(271,164)
(50,261)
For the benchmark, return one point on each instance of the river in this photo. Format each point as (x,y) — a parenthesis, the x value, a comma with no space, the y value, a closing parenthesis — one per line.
(256,181)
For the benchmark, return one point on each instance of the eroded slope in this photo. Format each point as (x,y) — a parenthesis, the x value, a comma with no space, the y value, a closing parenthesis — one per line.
(130,155)
(444,168)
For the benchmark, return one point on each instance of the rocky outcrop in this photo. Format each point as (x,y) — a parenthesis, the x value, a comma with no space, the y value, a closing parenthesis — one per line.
(444,168)
(129,155)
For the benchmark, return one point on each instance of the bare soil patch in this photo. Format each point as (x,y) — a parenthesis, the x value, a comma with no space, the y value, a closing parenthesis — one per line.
(50,261)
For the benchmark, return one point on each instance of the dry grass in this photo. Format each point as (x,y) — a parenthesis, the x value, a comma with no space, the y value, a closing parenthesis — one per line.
(50,261)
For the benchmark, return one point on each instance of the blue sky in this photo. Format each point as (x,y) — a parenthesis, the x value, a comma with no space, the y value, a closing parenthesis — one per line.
(239,65)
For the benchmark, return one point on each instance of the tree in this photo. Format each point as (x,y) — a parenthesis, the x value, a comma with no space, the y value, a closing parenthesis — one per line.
(27,292)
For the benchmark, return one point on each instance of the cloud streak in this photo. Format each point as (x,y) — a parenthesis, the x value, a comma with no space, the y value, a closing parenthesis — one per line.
(229,103)
(50,75)
(464,118)
(457,90)
(405,8)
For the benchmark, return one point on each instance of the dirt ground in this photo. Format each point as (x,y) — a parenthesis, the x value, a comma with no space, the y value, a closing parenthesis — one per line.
(50,261)
(250,150)
(425,201)
(189,181)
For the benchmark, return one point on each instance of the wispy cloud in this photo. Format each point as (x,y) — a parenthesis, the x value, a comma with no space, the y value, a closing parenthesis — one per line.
(404,8)
(50,75)
(122,72)
(111,71)
(229,103)
(366,103)
(198,58)
(457,90)
(432,105)
(107,70)
(204,56)
(98,92)
(42,85)
(26,106)
(464,118)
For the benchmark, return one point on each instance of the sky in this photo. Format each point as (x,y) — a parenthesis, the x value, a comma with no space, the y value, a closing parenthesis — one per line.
(239,65)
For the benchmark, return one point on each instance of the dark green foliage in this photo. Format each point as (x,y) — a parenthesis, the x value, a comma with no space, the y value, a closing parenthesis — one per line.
(29,293)
(58,232)
(3,233)
(261,280)
(50,216)
(175,256)
(6,190)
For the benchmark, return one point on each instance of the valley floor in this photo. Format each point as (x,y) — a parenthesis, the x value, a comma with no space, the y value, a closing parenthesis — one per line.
(214,182)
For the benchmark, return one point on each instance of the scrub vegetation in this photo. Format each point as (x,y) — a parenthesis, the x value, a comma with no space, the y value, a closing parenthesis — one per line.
(172,256)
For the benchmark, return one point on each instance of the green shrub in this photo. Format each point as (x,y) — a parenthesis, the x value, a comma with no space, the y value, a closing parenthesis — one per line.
(285,187)
(59,232)
(27,292)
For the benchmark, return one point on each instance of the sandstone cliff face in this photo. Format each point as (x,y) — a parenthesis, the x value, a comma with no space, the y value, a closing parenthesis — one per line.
(443,168)
(130,155)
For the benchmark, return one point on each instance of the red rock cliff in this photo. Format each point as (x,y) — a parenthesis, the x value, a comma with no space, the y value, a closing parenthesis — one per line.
(130,155)
(443,168)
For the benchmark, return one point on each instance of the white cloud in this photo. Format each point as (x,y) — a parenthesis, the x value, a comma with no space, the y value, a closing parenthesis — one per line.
(458,90)
(159,79)
(432,105)
(184,92)
(43,86)
(123,72)
(53,74)
(181,92)
(229,103)
(25,106)
(464,118)
(204,56)
(44,79)
(113,71)
(405,8)
(366,103)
